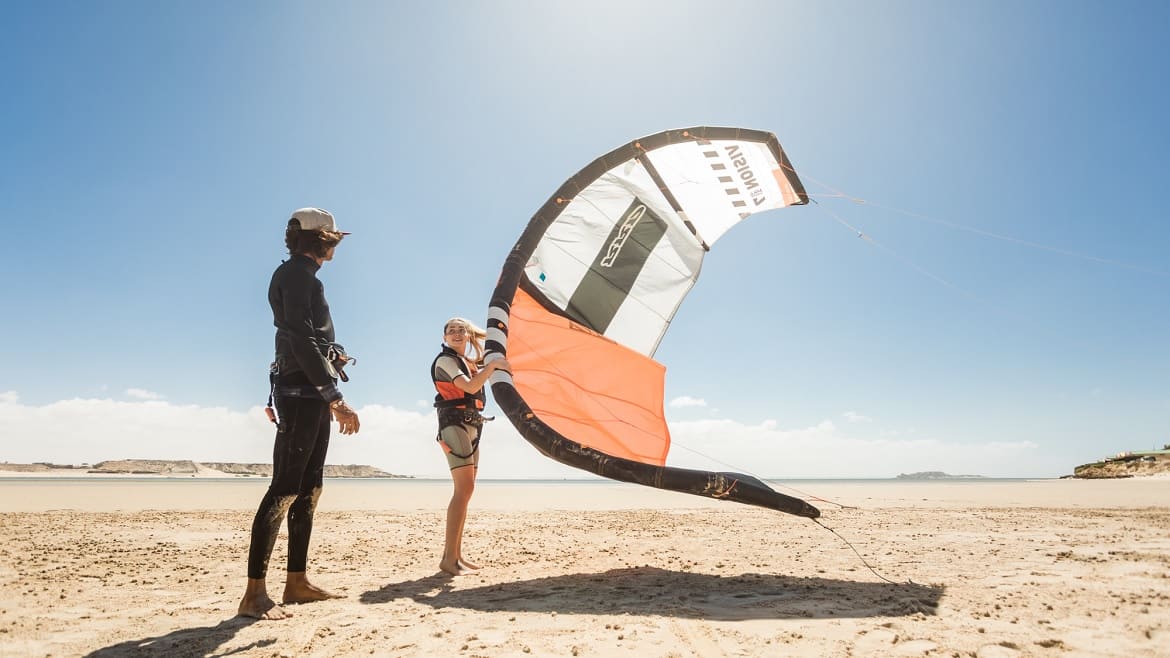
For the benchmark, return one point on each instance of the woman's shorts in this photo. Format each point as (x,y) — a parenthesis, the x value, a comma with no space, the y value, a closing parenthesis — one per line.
(457,440)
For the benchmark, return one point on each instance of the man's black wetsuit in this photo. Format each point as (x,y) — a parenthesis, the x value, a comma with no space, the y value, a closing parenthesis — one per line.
(304,386)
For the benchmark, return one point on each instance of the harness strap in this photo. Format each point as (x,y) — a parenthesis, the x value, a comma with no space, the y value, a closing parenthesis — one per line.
(296,391)
(457,403)
(269,410)
(447,449)
(472,417)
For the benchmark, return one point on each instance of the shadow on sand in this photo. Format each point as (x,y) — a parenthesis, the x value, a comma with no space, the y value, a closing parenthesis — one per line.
(201,641)
(649,590)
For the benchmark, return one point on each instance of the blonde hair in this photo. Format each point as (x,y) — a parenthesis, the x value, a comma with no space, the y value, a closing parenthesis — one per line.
(475,335)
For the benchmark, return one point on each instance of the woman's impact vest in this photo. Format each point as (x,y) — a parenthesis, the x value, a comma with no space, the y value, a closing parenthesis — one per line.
(454,405)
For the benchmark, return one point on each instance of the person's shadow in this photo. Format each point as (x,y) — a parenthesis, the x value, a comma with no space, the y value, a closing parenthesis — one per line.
(201,641)
(649,590)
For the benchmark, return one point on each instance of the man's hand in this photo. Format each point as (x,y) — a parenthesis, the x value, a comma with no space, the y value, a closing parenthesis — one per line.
(347,418)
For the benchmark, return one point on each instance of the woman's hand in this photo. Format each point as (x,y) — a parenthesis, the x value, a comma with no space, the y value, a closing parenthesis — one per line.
(478,380)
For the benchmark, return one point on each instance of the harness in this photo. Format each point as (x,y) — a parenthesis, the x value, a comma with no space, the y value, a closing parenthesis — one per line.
(455,406)
(335,358)
(285,391)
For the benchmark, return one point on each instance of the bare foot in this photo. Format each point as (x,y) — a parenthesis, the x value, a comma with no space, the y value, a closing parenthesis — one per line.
(452,568)
(261,607)
(300,590)
(467,564)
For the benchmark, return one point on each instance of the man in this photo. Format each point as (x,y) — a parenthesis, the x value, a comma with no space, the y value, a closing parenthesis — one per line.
(304,390)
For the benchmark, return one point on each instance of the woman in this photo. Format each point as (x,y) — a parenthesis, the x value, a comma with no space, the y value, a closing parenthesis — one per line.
(459,382)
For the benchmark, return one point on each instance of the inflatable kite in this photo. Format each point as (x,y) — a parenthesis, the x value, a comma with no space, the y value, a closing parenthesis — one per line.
(591,286)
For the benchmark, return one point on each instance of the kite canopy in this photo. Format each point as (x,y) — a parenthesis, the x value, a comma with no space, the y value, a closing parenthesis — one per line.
(591,286)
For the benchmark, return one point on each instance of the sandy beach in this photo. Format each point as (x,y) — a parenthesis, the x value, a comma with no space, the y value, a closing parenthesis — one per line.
(116,567)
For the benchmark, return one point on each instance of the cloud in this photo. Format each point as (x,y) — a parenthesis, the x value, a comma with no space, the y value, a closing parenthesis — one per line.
(856,417)
(142,394)
(687,401)
(823,451)
(402,441)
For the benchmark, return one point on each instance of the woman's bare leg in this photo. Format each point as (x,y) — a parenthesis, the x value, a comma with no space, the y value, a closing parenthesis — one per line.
(464,562)
(464,480)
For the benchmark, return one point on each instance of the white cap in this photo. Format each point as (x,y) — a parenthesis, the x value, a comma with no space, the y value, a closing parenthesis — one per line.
(314,219)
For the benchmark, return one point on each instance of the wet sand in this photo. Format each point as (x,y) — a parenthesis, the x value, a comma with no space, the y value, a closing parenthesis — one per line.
(1020,568)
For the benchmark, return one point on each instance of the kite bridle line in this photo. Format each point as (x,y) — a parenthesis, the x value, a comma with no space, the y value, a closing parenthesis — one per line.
(838,194)
(855,552)
(1025,243)
(810,497)
(905,261)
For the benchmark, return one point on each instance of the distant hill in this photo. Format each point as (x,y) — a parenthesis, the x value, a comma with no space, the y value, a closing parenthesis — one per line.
(935,475)
(1126,465)
(193,468)
(40,467)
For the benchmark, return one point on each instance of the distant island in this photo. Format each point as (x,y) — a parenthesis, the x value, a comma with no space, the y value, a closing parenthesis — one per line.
(935,475)
(186,467)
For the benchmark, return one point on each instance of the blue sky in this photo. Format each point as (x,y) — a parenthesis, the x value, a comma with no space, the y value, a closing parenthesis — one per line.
(151,154)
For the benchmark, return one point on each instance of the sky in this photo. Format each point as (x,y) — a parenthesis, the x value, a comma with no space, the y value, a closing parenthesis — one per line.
(979,287)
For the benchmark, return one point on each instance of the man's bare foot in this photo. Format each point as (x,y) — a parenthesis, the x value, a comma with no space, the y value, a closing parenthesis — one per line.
(452,568)
(298,589)
(261,607)
(467,564)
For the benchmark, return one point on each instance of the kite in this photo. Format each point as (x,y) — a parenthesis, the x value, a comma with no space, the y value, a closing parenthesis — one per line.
(591,286)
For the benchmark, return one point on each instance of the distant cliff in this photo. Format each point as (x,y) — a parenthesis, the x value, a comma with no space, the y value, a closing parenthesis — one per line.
(188,467)
(1126,465)
(331,470)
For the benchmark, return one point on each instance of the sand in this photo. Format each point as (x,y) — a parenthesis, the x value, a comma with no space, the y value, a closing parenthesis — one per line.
(1021,568)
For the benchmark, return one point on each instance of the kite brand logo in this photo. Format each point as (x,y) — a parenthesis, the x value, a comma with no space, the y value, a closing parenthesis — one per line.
(746,176)
(628,223)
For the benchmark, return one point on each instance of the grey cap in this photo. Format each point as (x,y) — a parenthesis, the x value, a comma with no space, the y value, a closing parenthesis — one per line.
(314,219)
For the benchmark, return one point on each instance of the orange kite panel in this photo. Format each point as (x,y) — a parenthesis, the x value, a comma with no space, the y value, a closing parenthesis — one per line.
(587,387)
